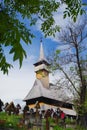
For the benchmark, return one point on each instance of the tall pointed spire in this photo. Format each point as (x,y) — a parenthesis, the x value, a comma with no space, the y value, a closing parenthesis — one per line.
(41,68)
(42,56)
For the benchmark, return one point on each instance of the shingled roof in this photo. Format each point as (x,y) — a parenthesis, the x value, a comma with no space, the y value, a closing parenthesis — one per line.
(38,90)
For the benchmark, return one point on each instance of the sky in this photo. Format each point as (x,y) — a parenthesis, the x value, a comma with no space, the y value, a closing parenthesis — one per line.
(18,82)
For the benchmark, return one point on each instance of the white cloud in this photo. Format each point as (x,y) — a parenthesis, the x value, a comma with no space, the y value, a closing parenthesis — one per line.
(17,84)
(32,58)
(58,16)
(65,48)
(59,20)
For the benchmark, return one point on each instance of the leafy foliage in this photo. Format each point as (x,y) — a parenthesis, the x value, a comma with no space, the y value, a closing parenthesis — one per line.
(13,29)
(10,121)
(74,7)
(4,66)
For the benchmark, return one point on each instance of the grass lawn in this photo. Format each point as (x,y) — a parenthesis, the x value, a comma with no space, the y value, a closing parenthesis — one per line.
(16,122)
(11,121)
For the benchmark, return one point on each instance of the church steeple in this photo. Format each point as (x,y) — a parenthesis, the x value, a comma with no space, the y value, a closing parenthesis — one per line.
(41,68)
(42,56)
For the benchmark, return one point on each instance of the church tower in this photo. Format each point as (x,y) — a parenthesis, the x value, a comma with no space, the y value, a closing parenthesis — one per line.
(46,94)
(41,68)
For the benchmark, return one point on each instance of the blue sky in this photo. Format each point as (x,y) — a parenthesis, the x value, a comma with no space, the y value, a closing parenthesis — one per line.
(18,82)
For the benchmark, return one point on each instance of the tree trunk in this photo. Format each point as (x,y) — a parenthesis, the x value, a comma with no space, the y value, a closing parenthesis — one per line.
(47,123)
(83,120)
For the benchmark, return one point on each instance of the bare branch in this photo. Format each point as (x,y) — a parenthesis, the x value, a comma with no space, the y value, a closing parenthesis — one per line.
(69,80)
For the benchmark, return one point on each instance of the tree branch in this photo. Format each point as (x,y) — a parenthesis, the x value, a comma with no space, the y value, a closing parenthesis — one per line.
(69,80)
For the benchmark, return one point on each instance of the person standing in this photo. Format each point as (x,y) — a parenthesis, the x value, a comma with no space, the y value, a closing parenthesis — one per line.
(62,116)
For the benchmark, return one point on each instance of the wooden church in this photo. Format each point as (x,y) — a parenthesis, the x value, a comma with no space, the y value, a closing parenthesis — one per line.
(47,94)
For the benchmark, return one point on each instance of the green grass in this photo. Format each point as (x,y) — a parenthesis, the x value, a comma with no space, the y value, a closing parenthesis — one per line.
(10,121)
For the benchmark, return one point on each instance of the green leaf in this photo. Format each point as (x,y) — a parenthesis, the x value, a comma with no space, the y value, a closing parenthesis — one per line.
(58,52)
(64,16)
